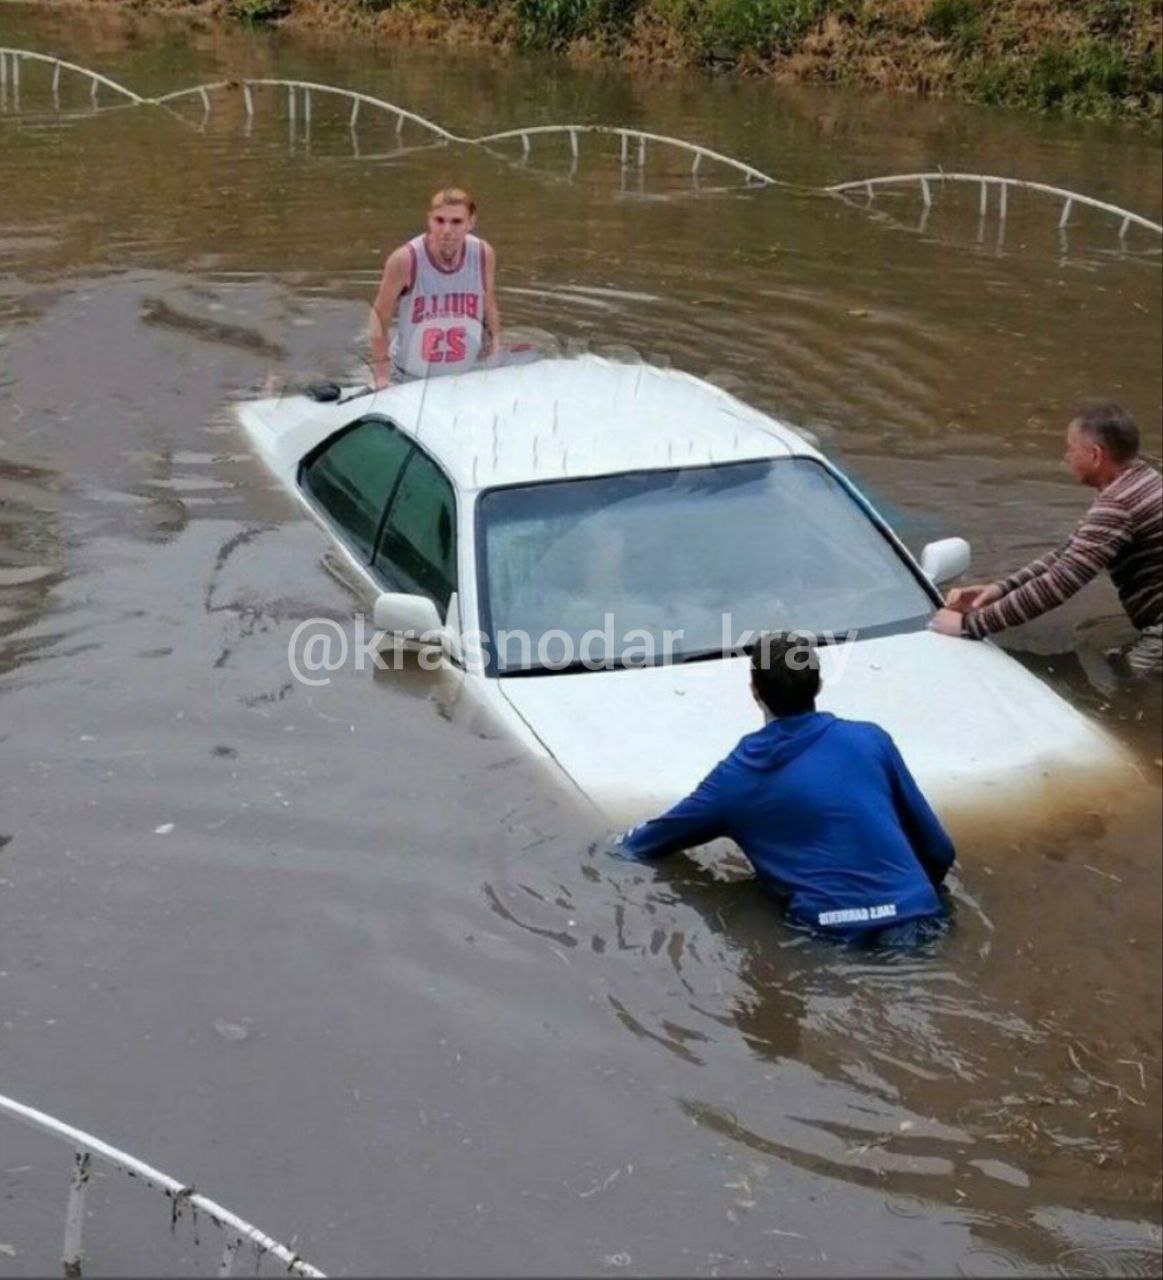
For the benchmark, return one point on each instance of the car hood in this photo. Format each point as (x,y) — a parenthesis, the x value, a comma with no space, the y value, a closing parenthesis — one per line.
(973,725)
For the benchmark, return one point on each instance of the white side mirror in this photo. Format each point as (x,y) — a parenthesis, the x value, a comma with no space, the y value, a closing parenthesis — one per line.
(409,619)
(944,560)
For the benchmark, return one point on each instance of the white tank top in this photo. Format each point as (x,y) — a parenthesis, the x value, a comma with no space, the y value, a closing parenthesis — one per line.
(440,317)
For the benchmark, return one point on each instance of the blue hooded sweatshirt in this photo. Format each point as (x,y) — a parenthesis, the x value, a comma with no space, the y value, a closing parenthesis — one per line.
(829,816)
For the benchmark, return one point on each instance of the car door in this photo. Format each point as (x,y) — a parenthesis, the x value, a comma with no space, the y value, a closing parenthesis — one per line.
(352,477)
(416,547)
(394,510)
(416,553)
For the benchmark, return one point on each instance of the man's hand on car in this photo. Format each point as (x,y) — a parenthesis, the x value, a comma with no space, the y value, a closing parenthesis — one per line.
(963,599)
(948,622)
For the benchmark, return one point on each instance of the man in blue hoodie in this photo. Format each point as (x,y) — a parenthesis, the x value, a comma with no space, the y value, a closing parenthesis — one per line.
(825,809)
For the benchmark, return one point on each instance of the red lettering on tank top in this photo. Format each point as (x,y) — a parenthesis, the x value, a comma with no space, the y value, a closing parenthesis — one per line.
(443,346)
(430,351)
(444,306)
(457,346)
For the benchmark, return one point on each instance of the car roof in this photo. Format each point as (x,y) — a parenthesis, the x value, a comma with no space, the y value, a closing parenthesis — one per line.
(545,420)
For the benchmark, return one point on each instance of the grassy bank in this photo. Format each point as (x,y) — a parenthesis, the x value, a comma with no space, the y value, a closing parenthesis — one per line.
(1085,57)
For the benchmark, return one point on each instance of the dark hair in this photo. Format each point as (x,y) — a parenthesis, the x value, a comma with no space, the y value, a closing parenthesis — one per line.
(785,672)
(1109,425)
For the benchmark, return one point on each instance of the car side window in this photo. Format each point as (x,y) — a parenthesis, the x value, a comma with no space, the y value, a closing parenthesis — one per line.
(353,478)
(417,549)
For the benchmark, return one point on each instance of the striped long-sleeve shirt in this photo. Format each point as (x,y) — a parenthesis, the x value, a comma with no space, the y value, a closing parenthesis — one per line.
(1122,532)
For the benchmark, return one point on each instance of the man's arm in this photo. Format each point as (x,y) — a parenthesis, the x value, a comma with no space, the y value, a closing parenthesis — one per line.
(961,601)
(395,279)
(977,596)
(1049,582)
(1035,569)
(492,311)
(929,839)
(702,816)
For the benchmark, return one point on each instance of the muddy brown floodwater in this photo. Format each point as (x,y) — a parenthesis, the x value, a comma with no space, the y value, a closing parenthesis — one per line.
(351,969)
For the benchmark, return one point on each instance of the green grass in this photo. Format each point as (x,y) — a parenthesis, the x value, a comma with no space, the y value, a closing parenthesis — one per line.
(958,21)
(730,28)
(258,10)
(553,24)
(1089,79)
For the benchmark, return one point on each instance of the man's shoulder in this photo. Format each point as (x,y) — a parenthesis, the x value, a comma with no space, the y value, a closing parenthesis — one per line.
(1111,512)
(402,254)
(865,732)
(1139,481)
(1143,482)
(860,727)
(830,731)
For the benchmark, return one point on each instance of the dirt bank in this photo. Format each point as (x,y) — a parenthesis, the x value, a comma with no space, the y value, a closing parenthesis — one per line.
(1092,57)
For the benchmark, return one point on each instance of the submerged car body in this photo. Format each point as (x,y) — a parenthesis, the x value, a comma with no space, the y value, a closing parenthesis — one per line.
(514,516)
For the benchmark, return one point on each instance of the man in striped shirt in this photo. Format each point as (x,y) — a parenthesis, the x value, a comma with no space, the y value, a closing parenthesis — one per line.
(1122,533)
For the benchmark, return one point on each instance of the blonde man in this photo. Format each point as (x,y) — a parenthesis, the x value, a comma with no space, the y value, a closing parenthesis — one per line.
(438,288)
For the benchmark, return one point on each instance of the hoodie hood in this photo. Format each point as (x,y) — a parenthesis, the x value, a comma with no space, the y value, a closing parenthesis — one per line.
(780,741)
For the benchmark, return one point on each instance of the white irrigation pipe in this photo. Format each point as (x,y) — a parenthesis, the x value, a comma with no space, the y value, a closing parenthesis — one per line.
(626,134)
(85,1146)
(308,85)
(58,63)
(1069,198)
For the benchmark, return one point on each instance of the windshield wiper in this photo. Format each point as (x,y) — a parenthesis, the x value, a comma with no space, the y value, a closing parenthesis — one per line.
(571,668)
(711,655)
(619,664)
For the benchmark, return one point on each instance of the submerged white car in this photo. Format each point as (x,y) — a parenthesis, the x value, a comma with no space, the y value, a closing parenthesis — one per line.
(590,545)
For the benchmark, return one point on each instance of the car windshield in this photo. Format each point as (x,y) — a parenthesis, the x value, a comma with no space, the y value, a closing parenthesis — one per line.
(596,572)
